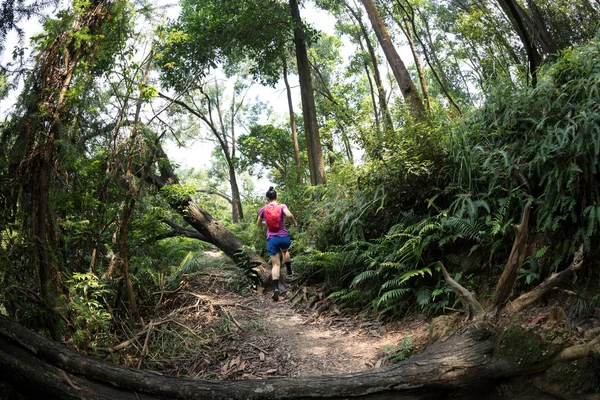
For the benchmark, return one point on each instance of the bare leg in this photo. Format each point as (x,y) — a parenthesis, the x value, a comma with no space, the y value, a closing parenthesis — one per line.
(276,264)
(287,259)
(286,256)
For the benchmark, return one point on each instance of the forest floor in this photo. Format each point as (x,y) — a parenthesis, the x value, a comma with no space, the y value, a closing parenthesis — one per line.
(210,329)
(213,326)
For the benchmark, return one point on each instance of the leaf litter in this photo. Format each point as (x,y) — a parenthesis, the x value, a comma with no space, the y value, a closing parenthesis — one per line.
(206,329)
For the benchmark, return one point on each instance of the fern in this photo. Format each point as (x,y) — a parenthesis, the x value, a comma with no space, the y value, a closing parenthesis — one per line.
(364,276)
(411,274)
(390,296)
(423,295)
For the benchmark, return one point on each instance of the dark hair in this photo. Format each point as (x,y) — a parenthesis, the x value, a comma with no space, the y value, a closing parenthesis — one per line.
(271,193)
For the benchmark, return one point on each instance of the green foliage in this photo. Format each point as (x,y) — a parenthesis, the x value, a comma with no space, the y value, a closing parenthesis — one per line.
(543,141)
(209,33)
(271,148)
(398,353)
(529,145)
(90,313)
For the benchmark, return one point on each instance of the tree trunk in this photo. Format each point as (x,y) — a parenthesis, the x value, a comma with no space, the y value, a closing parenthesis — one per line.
(407,87)
(461,365)
(516,258)
(442,80)
(510,8)
(131,190)
(124,256)
(288,91)
(383,105)
(316,164)
(373,99)
(413,50)
(237,213)
(211,230)
(236,202)
(34,155)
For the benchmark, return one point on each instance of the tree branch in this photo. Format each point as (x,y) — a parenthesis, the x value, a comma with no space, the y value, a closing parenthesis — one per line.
(216,193)
(180,231)
(515,260)
(534,295)
(476,311)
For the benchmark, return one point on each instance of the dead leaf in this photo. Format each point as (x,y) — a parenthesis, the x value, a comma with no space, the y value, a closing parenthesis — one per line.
(225,367)
(271,371)
(242,366)
(379,362)
(261,355)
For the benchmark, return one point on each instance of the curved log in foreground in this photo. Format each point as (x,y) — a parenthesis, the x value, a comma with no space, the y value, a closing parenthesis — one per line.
(460,364)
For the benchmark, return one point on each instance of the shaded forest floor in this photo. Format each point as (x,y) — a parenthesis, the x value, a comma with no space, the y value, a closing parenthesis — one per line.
(214,327)
(210,329)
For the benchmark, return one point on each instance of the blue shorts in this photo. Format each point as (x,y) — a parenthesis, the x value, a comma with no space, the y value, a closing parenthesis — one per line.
(278,243)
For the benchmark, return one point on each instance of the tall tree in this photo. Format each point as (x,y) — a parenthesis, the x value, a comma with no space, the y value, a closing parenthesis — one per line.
(407,87)
(217,31)
(206,105)
(516,15)
(288,91)
(77,46)
(383,104)
(316,164)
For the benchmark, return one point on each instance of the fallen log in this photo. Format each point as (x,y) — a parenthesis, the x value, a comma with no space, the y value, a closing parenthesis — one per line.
(459,365)
(208,229)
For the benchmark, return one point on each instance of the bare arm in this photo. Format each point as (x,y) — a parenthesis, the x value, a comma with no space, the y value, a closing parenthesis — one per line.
(259,222)
(290,216)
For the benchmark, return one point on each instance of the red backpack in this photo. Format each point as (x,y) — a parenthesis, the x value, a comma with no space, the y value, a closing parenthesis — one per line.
(273,217)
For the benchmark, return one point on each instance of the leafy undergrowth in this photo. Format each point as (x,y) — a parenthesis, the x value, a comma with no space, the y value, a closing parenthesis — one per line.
(207,329)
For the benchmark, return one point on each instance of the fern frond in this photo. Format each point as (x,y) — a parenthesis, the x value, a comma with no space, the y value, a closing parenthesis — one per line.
(416,272)
(391,295)
(423,296)
(363,276)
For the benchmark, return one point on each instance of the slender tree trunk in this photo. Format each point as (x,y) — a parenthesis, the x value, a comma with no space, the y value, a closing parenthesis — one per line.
(237,212)
(407,87)
(346,141)
(124,256)
(441,79)
(413,50)
(373,98)
(236,204)
(316,163)
(131,192)
(288,91)
(383,104)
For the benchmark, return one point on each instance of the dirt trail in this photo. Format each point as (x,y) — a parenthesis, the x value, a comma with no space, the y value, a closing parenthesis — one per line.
(209,330)
(319,345)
